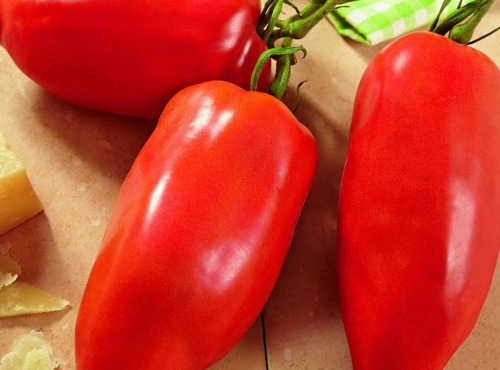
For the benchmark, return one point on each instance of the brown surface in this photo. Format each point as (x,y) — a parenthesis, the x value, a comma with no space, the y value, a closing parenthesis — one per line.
(77,160)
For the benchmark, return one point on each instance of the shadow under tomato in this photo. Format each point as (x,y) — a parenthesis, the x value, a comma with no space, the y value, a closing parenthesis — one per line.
(107,142)
(302,317)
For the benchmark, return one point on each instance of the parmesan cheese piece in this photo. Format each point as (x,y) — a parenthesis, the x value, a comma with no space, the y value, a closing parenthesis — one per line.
(21,299)
(9,270)
(30,352)
(18,201)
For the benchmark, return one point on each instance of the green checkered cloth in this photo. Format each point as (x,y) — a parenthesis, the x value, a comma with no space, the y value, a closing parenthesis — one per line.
(374,21)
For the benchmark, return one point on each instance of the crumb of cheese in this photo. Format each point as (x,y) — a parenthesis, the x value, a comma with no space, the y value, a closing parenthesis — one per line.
(30,352)
(9,270)
(20,299)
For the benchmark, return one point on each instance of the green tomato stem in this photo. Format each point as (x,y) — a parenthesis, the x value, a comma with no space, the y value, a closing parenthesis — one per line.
(463,33)
(274,52)
(456,17)
(265,17)
(276,11)
(271,29)
(278,87)
(298,27)
(462,22)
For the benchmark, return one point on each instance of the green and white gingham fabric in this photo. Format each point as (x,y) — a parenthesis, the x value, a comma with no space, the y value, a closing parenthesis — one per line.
(375,21)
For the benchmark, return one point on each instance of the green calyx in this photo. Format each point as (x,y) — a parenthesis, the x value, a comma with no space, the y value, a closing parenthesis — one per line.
(462,22)
(274,31)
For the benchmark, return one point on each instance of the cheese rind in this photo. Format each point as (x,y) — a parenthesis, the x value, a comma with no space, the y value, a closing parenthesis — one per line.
(18,201)
(21,299)
(29,352)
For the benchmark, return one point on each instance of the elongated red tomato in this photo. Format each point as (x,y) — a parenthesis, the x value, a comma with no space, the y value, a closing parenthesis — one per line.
(199,232)
(130,57)
(420,203)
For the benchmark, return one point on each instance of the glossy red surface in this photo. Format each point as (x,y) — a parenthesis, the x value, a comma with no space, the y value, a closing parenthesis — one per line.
(130,57)
(199,232)
(420,204)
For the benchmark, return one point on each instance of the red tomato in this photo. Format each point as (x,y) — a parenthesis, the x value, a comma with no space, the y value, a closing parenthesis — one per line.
(130,57)
(420,203)
(199,232)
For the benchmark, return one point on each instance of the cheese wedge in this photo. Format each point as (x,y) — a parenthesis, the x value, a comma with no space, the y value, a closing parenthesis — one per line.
(20,298)
(30,352)
(18,201)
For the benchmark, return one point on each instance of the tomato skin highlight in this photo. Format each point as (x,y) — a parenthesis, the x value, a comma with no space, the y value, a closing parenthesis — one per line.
(199,232)
(130,57)
(418,232)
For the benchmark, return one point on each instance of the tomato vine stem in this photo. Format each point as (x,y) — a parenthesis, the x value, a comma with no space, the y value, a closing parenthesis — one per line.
(463,33)
(281,74)
(274,30)
(462,22)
